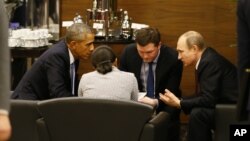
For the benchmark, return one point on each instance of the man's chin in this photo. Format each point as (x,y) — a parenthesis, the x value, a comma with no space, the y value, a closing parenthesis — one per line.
(188,64)
(147,61)
(84,58)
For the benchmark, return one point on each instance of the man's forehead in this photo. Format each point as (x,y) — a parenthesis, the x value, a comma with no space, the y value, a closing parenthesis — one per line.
(149,45)
(181,44)
(90,35)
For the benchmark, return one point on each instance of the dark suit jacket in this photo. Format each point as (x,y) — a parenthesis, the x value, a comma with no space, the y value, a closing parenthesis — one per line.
(217,78)
(243,30)
(168,71)
(4,59)
(49,76)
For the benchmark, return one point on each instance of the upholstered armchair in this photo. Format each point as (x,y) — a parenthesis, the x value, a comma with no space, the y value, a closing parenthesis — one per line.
(23,116)
(225,114)
(79,119)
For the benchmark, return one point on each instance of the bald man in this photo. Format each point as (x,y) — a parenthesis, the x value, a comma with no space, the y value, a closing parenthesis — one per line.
(216,83)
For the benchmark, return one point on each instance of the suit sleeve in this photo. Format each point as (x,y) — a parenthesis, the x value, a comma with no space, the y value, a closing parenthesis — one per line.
(209,86)
(243,38)
(58,77)
(243,30)
(122,65)
(173,84)
(174,79)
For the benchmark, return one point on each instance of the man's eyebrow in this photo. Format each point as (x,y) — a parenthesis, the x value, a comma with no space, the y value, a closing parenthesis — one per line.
(179,50)
(89,43)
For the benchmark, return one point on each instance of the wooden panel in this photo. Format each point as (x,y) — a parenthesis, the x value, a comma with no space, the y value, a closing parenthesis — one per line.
(215,19)
(172,17)
(69,8)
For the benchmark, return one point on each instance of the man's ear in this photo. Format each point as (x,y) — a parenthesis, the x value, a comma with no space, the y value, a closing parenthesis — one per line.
(72,44)
(159,46)
(195,48)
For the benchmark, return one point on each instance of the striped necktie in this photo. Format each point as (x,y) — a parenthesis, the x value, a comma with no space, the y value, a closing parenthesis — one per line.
(72,77)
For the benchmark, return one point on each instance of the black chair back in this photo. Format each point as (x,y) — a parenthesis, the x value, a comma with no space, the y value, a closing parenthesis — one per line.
(23,116)
(79,119)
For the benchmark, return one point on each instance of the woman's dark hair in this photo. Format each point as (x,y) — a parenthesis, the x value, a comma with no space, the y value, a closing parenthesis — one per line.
(102,59)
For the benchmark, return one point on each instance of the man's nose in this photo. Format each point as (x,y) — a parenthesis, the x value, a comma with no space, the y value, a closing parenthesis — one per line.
(145,56)
(179,56)
(92,47)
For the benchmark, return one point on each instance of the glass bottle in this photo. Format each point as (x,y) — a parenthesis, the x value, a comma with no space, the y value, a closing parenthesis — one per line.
(126,26)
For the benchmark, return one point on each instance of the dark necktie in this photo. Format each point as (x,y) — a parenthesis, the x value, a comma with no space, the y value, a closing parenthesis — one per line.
(197,86)
(72,77)
(150,81)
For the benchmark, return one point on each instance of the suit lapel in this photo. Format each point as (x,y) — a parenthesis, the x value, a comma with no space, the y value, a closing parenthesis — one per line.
(160,69)
(138,64)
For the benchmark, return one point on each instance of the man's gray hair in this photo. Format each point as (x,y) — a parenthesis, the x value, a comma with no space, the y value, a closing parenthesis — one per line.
(77,32)
(194,38)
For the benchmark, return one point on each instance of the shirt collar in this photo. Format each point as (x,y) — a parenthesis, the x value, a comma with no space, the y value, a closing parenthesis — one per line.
(157,57)
(115,68)
(197,64)
(71,57)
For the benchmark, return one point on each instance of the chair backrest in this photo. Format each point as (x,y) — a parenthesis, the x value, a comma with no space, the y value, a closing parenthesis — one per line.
(80,119)
(23,116)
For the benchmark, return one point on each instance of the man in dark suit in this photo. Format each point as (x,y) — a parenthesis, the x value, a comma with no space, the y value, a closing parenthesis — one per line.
(166,68)
(53,74)
(243,30)
(5,127)
(216,83)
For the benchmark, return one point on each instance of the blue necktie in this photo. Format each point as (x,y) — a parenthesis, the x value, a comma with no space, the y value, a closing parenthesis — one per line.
(72,76)
(150,81)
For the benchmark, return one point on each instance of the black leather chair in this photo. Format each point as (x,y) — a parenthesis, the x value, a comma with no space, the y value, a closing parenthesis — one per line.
(225,114)
(23,116)
(78,119)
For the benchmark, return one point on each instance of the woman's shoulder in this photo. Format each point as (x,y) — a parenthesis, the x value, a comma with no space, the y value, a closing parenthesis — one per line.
(126,74)
(89,74)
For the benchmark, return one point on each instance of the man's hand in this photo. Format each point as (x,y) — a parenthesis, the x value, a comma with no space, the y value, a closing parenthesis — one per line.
(170,99)
(5,128)
(149,101)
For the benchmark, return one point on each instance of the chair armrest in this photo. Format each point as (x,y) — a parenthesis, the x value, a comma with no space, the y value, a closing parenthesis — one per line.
(42,130)
(156,128)
(225,114)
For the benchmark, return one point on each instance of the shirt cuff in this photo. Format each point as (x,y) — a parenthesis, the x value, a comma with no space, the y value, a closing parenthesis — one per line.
(4,112)
(157,103)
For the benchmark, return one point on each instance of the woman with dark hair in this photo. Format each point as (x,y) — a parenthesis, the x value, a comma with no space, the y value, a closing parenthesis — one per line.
(107,82)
